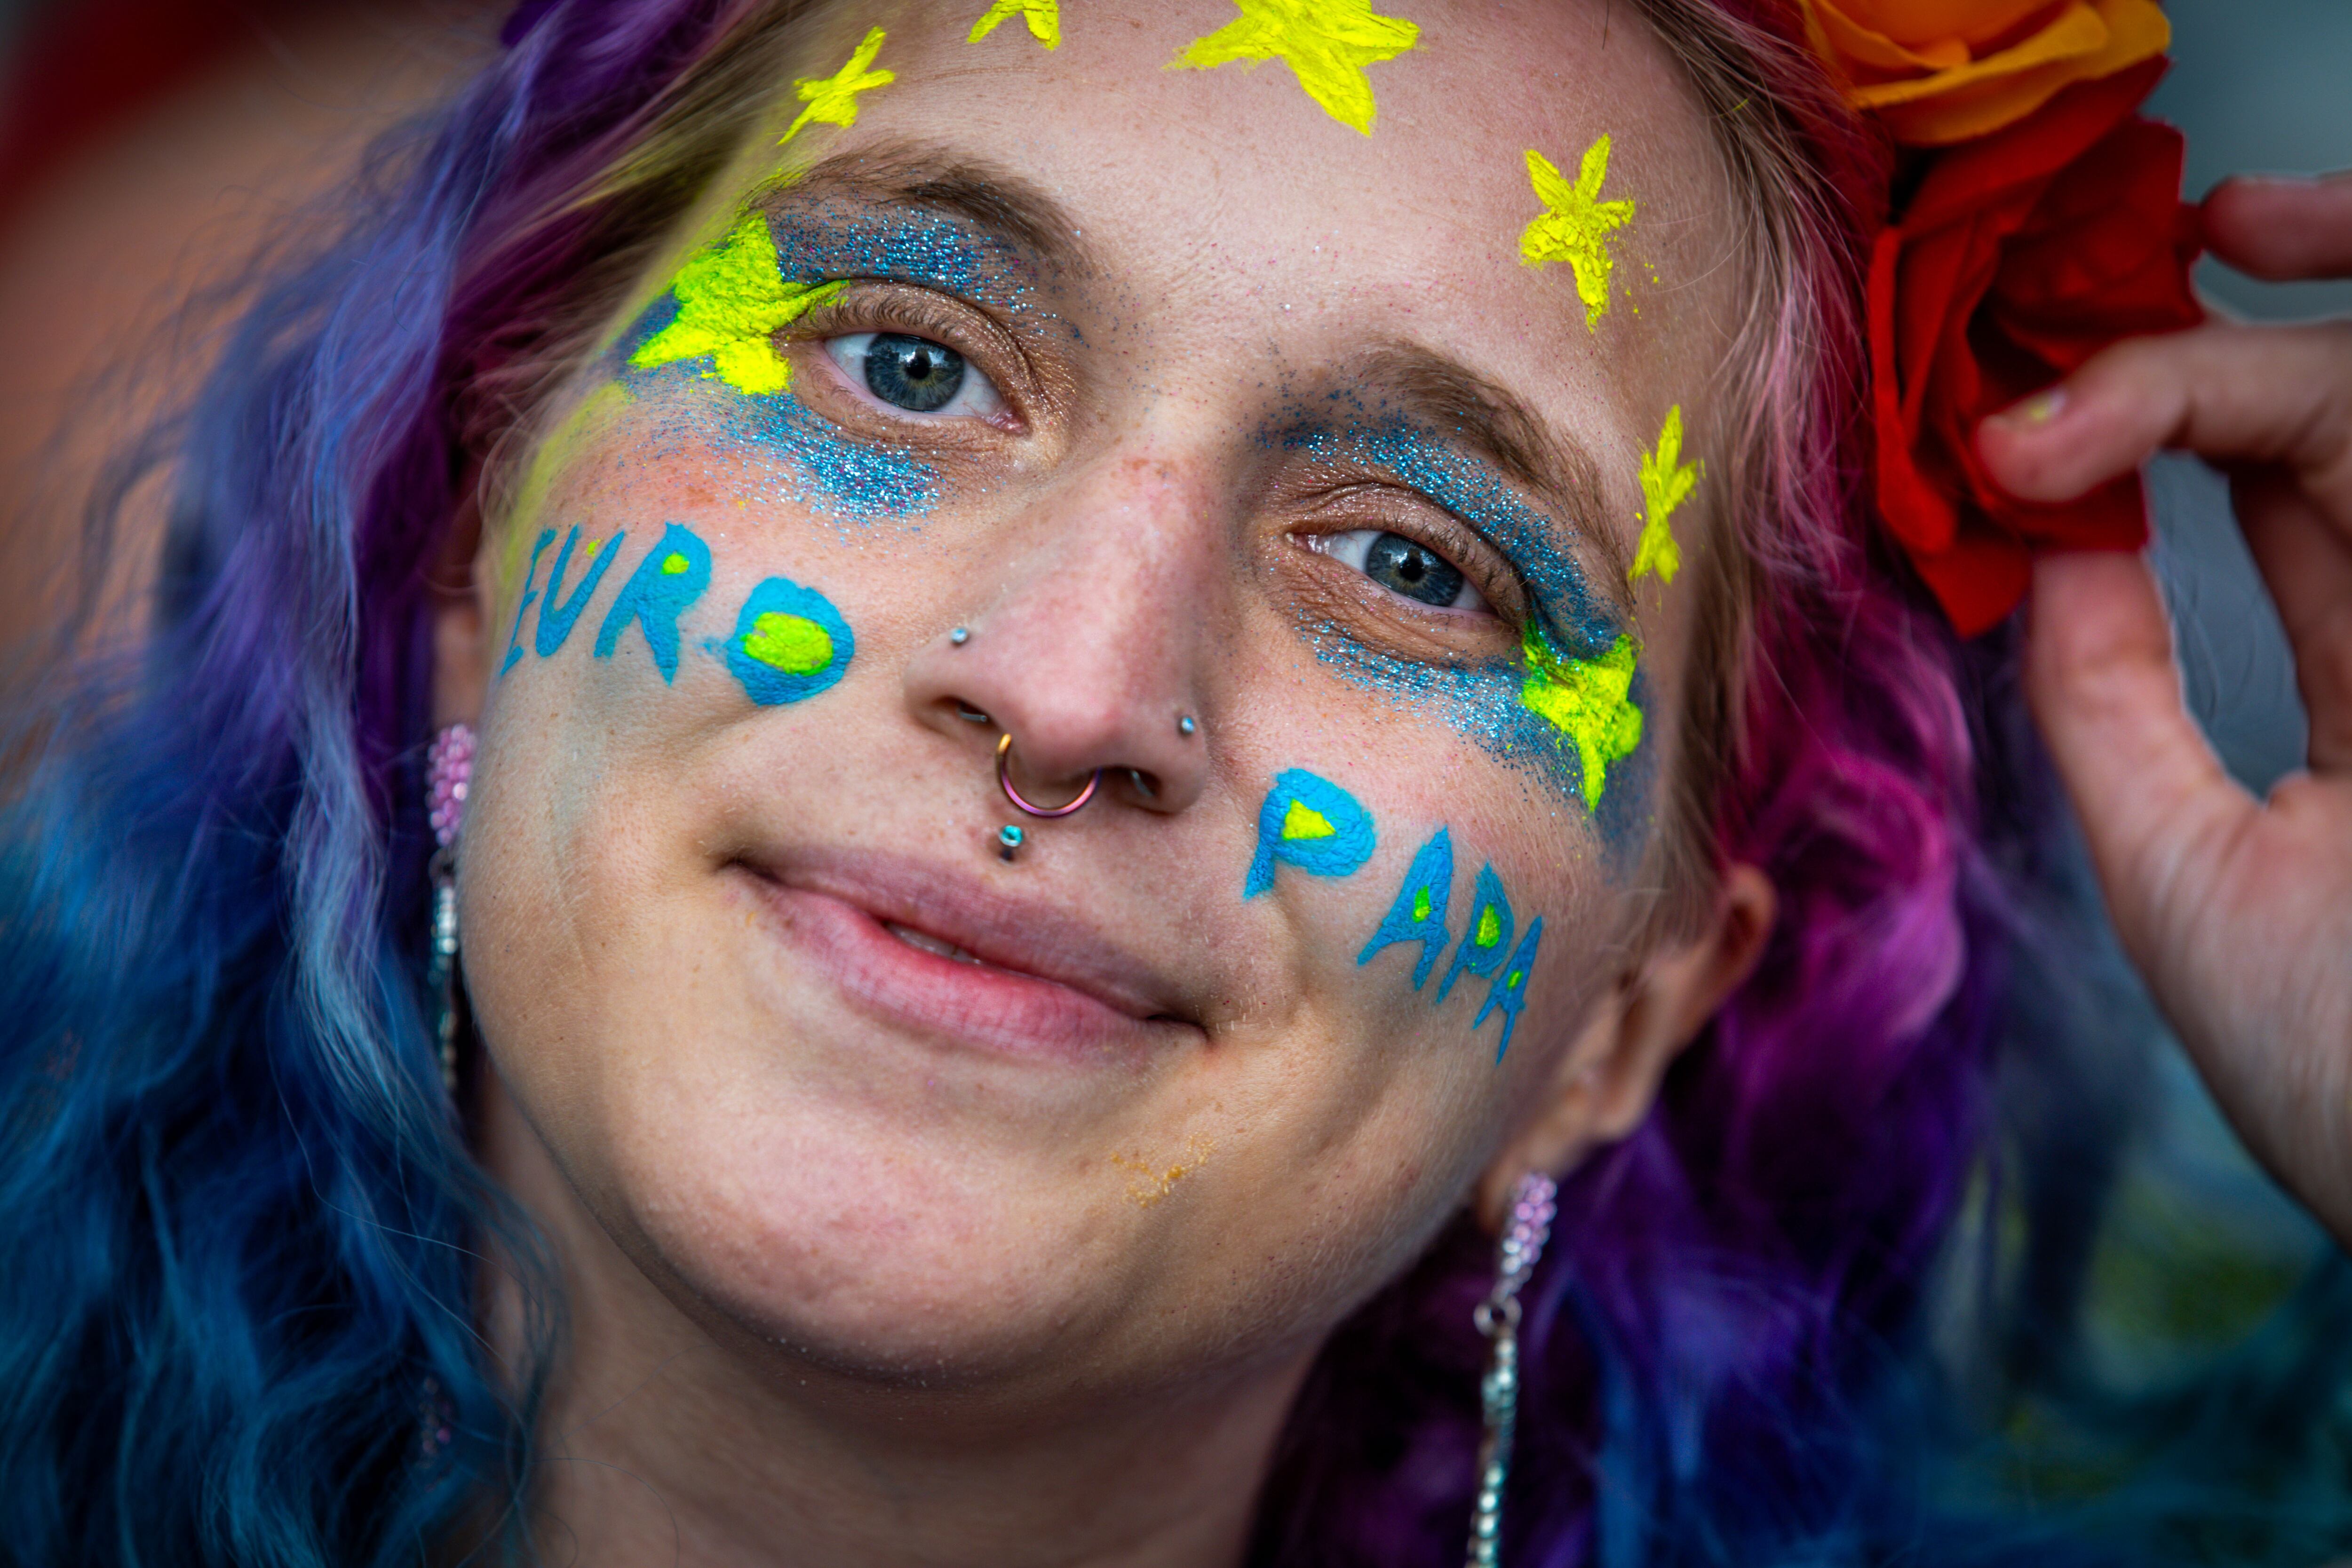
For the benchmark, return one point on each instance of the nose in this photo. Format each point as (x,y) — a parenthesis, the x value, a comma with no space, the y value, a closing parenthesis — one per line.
(1087,638)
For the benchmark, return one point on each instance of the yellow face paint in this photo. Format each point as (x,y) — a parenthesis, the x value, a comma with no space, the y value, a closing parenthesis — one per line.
(1305,822)
(1587,701)
(730,301)
(1328,44)
(793,644)
(1044,18)
(1576,224)
(832,99)
(1666,482)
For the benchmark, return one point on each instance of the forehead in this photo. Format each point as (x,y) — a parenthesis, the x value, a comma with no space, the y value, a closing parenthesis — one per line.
(1212,200)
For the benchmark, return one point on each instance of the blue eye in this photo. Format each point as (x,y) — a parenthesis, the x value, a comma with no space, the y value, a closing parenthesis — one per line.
(1403,566)
(915,375)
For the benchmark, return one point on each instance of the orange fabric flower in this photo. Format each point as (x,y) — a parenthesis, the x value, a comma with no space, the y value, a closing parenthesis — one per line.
(2015,259)
(1935,72)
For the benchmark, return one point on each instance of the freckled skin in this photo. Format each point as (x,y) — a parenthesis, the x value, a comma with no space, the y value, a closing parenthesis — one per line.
(760,1187)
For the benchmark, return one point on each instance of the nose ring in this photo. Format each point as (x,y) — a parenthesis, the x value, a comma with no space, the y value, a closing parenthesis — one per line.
(1005,782)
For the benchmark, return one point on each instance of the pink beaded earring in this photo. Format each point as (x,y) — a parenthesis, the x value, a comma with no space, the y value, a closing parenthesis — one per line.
(448,771)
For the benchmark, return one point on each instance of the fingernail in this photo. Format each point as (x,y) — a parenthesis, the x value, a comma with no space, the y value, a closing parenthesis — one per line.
(2037,410)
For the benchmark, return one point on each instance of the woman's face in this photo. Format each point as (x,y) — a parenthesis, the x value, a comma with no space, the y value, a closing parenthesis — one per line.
(1268,475)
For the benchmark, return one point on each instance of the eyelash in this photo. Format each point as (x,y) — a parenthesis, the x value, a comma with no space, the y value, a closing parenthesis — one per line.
(892,309)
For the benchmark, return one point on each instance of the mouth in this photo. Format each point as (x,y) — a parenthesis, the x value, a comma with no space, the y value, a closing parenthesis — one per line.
(935,952)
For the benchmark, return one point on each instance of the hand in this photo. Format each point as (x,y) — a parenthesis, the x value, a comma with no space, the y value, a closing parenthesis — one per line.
(2237,911)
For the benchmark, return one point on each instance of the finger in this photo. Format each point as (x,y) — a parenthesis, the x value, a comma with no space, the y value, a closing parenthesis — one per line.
(2283,228)
(2100,677)
(2307,566)
(2232,395)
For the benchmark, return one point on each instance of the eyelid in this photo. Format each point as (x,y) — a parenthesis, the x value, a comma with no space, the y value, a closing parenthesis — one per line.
(891,305)
(1429,523)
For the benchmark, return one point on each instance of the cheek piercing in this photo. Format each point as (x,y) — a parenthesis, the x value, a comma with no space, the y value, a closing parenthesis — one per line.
(961,636)
(1186,724)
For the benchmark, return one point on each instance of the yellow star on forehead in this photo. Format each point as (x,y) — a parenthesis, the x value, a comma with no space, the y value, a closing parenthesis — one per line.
(731,299)
(1576,226)
(1666,482)
(1044,18)
(1328,44)
(832,99)
(1589,701)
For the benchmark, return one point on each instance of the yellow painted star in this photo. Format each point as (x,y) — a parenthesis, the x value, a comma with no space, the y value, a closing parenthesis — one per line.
(1576,226)
(832,99)
(1666,482)
(1328,44)
(1044,18)
(1589,701)
(731,299)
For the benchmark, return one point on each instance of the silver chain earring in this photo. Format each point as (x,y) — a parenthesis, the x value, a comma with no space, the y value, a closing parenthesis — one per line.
(448,771)
(1526,1228)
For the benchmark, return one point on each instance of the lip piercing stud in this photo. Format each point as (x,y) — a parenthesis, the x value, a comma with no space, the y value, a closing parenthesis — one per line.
(961,636)
(1005,782)
(1008,841)
(1186,724)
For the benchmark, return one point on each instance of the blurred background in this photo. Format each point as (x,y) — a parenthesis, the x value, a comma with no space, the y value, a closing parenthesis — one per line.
(148,146)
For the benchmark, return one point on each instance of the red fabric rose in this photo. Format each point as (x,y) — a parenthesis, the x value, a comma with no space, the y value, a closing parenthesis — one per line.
(2016,258)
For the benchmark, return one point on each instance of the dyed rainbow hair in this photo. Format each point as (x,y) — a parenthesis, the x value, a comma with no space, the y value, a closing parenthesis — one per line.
(243,1235)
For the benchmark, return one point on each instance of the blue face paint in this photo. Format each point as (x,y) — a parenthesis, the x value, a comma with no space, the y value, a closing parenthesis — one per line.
(1309,823)
(557,617)
(789,644)
(1487,937)
(673,575)
(1419,913)
(514,638)
(1508,994)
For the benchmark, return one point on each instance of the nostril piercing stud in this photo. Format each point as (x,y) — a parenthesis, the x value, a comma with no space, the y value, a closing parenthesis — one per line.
(1142,781)
(971,715)
(1186,724)
(1008,841)
(961,636)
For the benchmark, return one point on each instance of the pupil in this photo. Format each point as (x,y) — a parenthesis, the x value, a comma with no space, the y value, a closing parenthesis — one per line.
(913,374)
(1401,566)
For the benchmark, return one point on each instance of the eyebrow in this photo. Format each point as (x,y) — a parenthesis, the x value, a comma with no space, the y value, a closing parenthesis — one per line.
(1493,425)
(918,174)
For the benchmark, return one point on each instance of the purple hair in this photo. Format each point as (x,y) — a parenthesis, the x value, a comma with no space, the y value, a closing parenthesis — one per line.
(244,1232)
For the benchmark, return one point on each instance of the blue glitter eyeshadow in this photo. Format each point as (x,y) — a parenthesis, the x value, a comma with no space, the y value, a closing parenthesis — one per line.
(1576,624)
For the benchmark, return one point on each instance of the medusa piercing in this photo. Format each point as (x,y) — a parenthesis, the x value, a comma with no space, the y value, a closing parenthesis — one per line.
(1008,841)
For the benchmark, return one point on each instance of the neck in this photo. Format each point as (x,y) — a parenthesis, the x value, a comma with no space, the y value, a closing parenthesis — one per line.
(669,1435)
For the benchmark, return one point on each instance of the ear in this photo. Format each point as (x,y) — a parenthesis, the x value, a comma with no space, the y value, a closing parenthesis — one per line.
(461,594)
(1605,1083)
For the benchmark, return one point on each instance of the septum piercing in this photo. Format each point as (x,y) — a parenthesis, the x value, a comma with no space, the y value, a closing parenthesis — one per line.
(1005,782)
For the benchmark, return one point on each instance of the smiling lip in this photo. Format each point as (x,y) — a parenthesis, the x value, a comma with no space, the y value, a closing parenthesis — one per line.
(926,947)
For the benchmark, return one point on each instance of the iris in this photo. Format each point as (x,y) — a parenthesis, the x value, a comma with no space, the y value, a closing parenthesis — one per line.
(1413,570)
(913,374)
